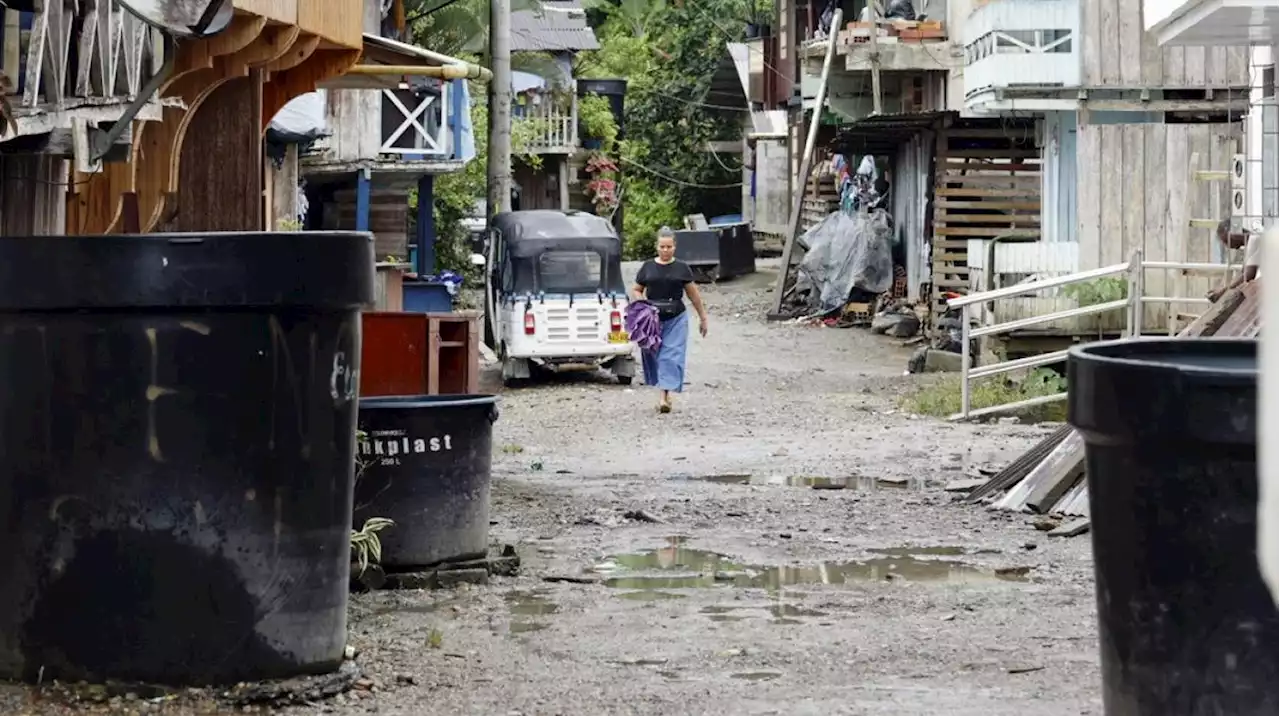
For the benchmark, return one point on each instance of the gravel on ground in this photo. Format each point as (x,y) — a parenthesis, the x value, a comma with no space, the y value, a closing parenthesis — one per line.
(699,563)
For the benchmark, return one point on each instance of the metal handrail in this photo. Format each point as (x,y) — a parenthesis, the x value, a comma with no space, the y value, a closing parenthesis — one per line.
(1133,303)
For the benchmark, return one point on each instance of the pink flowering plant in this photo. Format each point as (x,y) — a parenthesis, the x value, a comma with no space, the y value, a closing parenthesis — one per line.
(602,188)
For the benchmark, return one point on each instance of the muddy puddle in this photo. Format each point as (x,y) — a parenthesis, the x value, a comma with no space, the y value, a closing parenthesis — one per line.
(678,567)
(781,614)
(813,482)
(525,607)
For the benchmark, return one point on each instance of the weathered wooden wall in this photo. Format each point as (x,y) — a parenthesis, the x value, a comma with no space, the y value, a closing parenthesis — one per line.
(221,174)
(1117,52)
(355,120)
(388,219)
(1136,191)
(32,195)
(281,187)
(538,187)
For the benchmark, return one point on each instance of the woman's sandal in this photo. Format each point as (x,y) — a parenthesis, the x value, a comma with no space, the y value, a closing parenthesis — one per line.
(664,407)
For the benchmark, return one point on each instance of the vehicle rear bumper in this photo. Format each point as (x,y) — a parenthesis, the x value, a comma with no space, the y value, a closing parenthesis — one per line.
(568,353)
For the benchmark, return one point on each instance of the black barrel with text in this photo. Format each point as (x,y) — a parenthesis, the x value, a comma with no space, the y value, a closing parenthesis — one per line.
(1186,624)
(177,426)
(424,463)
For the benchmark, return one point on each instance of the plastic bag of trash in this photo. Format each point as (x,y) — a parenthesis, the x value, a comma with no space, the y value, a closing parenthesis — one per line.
(847,252)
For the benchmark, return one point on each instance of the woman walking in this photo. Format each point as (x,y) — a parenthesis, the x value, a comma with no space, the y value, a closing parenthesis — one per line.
(665,281)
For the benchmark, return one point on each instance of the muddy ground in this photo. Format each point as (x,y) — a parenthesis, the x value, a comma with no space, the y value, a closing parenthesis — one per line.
(755,593)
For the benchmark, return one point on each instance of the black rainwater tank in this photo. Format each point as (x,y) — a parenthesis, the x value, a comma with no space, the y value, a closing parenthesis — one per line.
(177,426)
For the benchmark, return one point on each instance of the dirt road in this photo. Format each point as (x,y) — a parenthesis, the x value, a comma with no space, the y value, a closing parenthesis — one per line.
(747,598)
(755,593)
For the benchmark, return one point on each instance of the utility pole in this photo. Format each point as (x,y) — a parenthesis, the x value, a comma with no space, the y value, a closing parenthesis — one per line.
(876,15)
(499,167)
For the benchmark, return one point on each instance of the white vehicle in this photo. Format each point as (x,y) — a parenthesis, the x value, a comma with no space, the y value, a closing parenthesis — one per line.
(554,294)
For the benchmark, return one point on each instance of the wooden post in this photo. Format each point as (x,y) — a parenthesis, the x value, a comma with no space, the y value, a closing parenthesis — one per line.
(876,14)
(562,178)
(426,227)
(806,164)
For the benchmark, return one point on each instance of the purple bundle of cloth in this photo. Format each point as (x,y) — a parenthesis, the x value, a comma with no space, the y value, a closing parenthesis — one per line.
(644,326)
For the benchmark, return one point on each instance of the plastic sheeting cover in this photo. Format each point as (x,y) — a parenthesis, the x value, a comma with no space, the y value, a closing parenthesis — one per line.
(848,252)
(301,120)
(467,151)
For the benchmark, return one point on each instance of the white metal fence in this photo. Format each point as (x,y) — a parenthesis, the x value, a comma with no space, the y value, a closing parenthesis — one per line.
(1132,304)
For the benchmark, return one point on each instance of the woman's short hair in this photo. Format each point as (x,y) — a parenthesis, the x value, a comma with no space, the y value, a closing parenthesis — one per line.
(666,233)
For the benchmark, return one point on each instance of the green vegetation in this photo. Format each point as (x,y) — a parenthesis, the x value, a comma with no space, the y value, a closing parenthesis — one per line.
(941,397)
(1100,290)
(597,120)
(366,545)
(668,51)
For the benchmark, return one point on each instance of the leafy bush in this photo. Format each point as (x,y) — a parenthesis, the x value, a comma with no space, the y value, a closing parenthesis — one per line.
(941,398)
(596,117)
(1101,290)
(649,208)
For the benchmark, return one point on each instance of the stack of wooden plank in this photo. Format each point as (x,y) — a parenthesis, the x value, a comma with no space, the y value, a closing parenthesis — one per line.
(1049,479)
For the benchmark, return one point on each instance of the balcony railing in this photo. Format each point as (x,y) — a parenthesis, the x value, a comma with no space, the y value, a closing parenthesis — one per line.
(1024,45)
(115,54)
(546,127)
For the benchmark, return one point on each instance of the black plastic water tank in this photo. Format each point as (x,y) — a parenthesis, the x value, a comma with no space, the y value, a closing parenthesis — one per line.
(424,462)
(177,427)
(1186,624)
(614,90)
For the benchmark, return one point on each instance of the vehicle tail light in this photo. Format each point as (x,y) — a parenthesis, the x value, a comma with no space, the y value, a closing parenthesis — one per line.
(615,321)
(530,326)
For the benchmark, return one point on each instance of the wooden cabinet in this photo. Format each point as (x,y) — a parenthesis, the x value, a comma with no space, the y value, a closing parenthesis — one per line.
(420,354)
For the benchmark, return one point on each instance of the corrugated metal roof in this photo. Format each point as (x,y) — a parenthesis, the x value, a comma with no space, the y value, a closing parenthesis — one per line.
(882,133)
(559,25)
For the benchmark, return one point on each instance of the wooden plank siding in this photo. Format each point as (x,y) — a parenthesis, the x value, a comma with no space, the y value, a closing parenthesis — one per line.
(1116,52)
(1136,191)
(33,200)
(987,184)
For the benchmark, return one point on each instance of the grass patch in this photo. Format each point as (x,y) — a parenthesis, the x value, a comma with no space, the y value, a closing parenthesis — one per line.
(941,398)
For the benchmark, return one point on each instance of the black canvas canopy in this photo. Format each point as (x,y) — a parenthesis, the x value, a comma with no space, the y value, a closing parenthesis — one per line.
(559,252)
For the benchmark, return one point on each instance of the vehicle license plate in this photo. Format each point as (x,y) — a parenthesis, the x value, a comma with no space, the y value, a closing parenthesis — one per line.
(619,337)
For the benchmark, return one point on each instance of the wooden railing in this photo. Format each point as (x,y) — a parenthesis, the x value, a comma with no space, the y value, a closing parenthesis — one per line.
(115,51)
(546,127)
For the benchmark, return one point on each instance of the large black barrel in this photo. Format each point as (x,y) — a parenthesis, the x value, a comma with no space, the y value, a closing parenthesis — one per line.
(177,428)
(1186,625)
(424,462)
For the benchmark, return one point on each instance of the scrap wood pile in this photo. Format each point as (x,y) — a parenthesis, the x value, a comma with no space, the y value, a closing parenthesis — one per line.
(1049,479)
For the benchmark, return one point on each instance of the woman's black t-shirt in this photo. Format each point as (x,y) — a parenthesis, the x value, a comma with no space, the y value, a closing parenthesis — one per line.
(664,285)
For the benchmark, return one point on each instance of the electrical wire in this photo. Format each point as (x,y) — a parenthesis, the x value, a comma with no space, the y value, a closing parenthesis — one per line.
(680,182)
(692,102)
(716,156)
